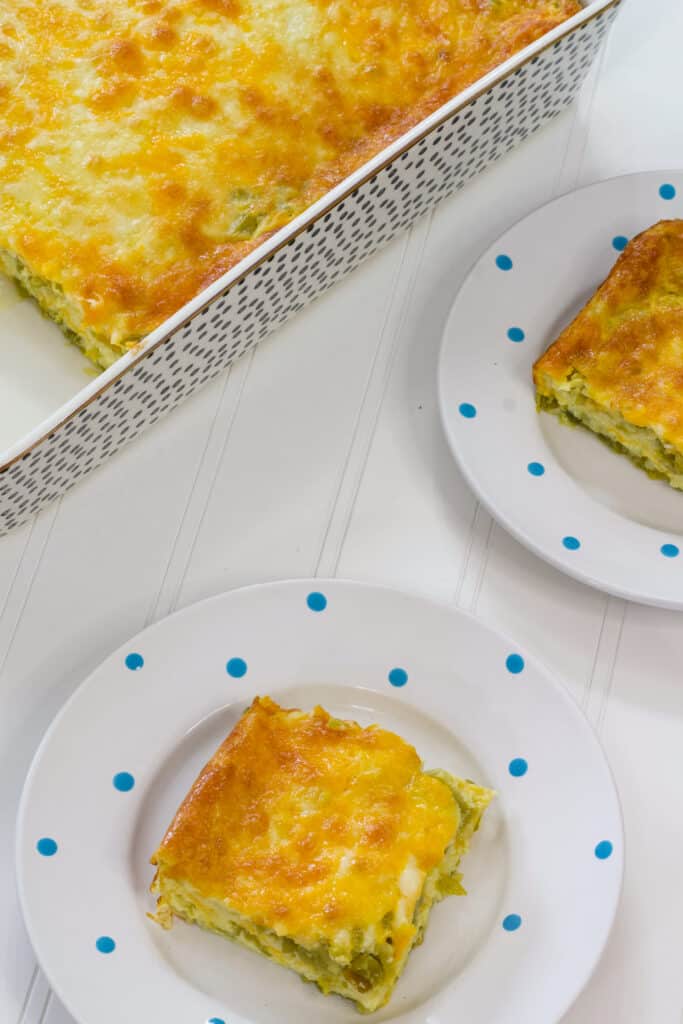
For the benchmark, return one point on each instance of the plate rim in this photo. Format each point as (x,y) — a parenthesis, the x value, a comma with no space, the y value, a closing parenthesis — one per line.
(527,540)
(440,604)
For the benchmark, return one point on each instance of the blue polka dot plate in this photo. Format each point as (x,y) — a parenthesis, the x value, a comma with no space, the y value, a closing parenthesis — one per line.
(560,491)
(543,874)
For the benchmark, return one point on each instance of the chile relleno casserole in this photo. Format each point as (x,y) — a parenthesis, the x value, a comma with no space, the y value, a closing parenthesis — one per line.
(146,146)
(618,368)
(320,844)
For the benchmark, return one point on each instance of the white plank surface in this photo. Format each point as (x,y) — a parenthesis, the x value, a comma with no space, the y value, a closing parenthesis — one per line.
(322,453)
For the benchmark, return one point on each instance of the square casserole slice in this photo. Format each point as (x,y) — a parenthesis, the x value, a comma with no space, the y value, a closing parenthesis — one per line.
(617,369)
(320,844)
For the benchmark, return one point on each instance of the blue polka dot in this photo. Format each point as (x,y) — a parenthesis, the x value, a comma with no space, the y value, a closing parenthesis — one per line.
(516,334)
(536,468)
(134,661)
(398,677)
(316,602)
(46,847)
(105,944)
(670,550)
(123,781)
(571,543)
(603,850)
(667,191)
(512,922)
(514,663)
(467,410)
(215,1020)
(619,242)
(503,262)
(518,767)
(236,667)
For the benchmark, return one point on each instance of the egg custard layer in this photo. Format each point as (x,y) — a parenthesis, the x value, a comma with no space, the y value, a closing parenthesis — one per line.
(618,368)
(320,844)
(146,146)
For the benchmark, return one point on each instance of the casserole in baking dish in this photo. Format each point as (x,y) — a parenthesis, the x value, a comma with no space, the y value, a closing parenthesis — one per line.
(147,147)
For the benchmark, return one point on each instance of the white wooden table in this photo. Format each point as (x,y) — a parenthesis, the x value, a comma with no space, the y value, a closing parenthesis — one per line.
(322,454)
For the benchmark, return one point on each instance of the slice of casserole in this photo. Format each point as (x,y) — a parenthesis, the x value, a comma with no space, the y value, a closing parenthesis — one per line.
(319,844)
(146,146)
(617,369)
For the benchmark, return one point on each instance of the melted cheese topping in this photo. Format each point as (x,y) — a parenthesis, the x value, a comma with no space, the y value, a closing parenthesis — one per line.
(314,828)
(147,146)
(626,345)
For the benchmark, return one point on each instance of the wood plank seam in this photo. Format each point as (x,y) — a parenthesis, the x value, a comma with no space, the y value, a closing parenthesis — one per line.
(21,1019)
(620,609)
(585,698)
(595,76)
(601,680)
(38,539)
(476,560)
(17,567)
(173,554)
(460,582)
(180,556)
(569,171)
(360,447)
(46,1006)
(329,552)
(37,999)
(41,531)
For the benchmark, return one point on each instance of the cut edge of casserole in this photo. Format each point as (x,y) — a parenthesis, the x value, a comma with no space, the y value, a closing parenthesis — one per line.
(570,402)
(319,844)
(617,368)
(57,306)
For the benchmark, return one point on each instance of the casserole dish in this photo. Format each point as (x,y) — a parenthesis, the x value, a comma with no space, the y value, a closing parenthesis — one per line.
(291,267)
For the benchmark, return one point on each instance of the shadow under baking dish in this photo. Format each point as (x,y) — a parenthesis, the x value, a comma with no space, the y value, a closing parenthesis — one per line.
(248,984)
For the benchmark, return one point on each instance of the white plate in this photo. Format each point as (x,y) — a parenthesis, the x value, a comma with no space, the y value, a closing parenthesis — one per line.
(588,511)
(472,704)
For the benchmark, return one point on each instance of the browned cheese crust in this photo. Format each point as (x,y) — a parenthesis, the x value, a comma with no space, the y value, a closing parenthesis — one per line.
(147,146)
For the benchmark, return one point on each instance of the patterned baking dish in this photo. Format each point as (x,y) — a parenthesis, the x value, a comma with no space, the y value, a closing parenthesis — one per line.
(383,197)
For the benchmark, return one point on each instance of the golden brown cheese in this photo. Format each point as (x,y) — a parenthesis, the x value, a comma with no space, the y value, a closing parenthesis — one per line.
(618,367)
(147,146)
(309,826)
